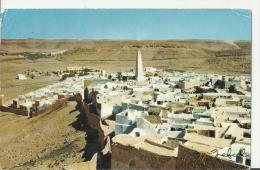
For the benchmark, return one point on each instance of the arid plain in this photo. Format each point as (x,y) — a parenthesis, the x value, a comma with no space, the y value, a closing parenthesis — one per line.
(227,57)
(17,133)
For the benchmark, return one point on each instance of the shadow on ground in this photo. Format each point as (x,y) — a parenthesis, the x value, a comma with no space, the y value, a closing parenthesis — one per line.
(91,137)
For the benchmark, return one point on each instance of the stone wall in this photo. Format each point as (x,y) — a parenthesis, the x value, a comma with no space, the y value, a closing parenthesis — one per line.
(127,157)
(192,159)
(94,122)
(93,119)
(56,105)
(14,110)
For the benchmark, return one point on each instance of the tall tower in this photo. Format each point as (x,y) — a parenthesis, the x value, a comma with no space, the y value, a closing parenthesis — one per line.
(139,75)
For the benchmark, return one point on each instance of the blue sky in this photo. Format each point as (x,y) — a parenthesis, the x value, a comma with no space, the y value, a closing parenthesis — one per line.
(139,24)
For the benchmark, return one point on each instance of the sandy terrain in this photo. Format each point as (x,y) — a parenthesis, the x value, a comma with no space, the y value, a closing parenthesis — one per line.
(227,57)
(43,142)
(50,141)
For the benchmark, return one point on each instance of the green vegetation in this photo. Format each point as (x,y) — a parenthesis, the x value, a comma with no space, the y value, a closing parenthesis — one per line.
(119,76)
(35,56)
(65,76)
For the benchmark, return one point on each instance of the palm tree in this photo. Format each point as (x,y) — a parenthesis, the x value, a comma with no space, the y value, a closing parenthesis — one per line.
(119,75)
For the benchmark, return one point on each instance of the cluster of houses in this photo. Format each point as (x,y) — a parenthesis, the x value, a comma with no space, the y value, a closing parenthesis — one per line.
(207,113)
(44,98)
(162,119)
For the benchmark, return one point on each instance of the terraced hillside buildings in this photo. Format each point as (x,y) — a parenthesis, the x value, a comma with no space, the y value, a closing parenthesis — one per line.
(174,120)
(166,119)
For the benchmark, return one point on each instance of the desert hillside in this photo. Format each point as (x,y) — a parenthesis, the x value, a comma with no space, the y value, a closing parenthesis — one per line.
(48,141)
(218,56)
(16,56)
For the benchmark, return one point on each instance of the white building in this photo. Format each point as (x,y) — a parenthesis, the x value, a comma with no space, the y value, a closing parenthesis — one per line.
(139,67)
(21,77)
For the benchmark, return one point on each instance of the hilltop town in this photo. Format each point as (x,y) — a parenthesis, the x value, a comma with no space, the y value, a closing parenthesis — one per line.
(149,117)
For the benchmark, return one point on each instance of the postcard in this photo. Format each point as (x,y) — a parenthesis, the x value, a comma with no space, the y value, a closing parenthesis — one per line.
(125,88)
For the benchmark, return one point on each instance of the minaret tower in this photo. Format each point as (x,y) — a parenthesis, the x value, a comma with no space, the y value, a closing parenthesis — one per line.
(139,75)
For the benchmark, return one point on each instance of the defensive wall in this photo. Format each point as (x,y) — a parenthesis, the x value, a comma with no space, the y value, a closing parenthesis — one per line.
(191,159)
(14,110)
(127,157)
(61,102)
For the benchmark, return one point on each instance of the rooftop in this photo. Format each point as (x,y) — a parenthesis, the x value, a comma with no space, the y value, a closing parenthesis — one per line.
(146,143)
(213,142)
